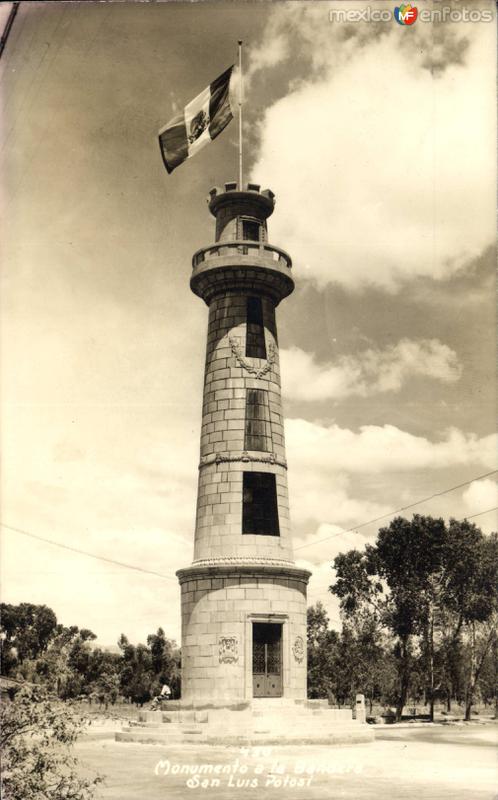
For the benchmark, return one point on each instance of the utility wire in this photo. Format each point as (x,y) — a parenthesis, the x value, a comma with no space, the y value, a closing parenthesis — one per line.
(320,585)
(397,511)
(495,508)
(161,574)
(86,553)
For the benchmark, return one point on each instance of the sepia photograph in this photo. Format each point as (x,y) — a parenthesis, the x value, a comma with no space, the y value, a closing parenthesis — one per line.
(249,462)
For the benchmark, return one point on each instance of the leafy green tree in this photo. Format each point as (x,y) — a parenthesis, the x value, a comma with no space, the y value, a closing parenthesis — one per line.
(397,582)
(471,599)
(161,650)
(52,668)
(137,680)
(37,735)
(175,675)
(409,557)
(322,652)
(79,660)
(106,687)
(424,582)
(27,630)
(365,661)
(488,680)
(357,660)
(103,677)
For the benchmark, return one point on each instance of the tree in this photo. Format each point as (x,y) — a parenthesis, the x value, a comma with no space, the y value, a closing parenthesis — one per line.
(36,738)
(52,669)
(322,647)
(409,557)
(137,679)
(79,661)
(103,677)
(365,664)
(35,648)
(27,631)
(175,676)
(424,582)
(161,650)
(481,613)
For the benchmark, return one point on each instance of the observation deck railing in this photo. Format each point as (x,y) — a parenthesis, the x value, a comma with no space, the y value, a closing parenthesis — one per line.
(266,252)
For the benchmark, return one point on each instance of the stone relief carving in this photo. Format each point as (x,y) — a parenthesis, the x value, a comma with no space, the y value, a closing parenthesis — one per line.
(251,561)
(224,458)
(229,649)
(258,372)
(298,649)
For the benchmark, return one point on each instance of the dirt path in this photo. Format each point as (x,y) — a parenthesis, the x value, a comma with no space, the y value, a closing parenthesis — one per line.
(440,764)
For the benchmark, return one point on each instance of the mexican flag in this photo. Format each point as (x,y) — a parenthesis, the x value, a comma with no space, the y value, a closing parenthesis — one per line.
(199,123)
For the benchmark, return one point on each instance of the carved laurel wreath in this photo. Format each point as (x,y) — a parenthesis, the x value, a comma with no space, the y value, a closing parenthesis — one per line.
(258,372)
(224,458)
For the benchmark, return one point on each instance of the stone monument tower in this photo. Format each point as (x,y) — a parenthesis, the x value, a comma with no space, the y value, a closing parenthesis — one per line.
(243,599)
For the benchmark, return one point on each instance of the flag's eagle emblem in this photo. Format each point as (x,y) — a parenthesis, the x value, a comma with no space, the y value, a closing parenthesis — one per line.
(198,125)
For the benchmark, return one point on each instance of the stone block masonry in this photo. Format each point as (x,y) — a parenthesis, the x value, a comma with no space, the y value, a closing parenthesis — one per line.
(215,609)
(243,599)
(224,454)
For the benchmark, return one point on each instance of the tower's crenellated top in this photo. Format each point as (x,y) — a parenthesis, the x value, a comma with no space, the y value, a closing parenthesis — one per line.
(241,256)
(240,211)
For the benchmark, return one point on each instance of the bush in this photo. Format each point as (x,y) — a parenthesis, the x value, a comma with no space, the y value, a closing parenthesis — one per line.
(36,738)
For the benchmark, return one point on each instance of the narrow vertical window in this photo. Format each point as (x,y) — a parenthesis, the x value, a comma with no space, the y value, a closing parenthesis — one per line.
(259,506)
(255,332)
(257,420)
(250,230)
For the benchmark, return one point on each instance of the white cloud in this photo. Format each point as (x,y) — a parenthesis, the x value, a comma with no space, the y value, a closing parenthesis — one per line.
(375,152)
(276,49)
(380,449)
(85,489)
(322,575)
(481,495)
(317,495)
(83,591)
(370,372)
(317,553)
(326,543)
(342,478)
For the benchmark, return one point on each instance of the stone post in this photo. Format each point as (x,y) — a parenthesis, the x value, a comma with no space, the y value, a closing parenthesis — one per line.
(361,714)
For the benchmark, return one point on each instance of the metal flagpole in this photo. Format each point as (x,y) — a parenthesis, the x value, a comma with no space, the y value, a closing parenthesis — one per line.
(240,114)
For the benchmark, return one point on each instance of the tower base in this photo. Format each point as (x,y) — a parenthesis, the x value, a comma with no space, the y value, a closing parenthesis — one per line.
(264,721)
(243,633)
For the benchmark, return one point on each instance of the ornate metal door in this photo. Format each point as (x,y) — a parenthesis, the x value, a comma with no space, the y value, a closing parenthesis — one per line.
(267,659)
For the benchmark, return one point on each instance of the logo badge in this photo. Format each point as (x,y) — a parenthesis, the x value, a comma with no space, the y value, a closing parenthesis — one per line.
(405,14)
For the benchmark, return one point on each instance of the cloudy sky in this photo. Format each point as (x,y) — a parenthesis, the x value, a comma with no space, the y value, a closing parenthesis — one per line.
(379,142)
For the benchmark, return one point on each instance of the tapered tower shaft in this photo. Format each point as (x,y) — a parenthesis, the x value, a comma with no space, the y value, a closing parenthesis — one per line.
(242,507)
(243,599)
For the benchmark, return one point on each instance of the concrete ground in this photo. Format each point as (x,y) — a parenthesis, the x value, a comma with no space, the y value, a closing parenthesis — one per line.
(440,762)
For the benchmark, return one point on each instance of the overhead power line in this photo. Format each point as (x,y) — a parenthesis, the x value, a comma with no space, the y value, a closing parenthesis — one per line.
(325,591)
(398,510)
(495,508)
(86,553)
(171,578)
